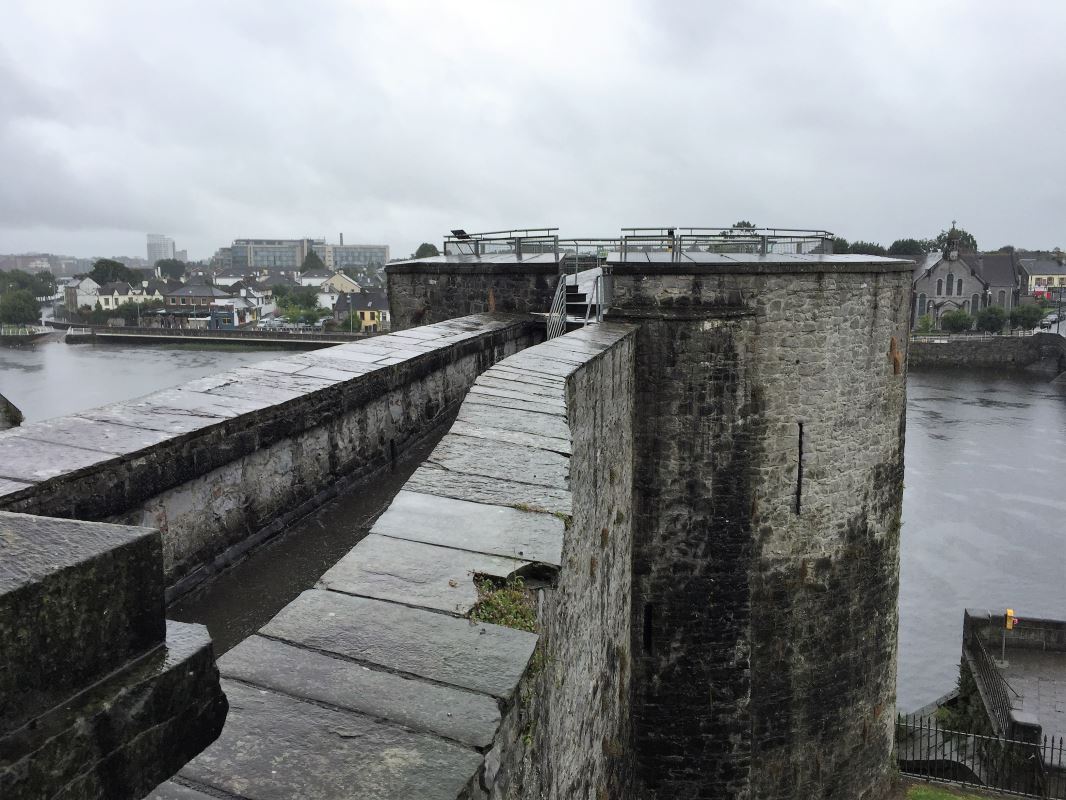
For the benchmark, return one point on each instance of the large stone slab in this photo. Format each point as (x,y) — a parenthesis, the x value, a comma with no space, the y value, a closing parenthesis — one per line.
(125,734)
(465,717)
(549,403)
(77,601)
(495,529)
(106,437)
(549,425)
(497,434)
(483,658)
(276,747)
(502,460)
(415,573)
(494,491)
(31,461)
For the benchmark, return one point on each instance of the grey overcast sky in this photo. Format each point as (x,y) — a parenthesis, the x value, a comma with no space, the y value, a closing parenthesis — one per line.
(396,121)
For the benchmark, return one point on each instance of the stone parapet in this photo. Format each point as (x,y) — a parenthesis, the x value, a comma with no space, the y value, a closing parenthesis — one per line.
(222,463)
(377,683)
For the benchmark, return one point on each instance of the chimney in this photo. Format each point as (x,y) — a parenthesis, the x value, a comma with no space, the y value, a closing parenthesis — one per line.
(342,239)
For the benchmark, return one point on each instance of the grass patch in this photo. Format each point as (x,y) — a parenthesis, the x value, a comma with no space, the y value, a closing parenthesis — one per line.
(508,603)
(928,792)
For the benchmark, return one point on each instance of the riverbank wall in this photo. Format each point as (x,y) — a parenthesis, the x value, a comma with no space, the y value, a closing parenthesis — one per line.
(1041,352)
(223,463)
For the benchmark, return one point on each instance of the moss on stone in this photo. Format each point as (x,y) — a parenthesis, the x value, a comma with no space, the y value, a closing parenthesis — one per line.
(508,603)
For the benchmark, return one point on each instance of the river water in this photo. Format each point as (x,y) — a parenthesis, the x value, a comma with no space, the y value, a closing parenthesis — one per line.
(984,514)
(984,509)
(53,379)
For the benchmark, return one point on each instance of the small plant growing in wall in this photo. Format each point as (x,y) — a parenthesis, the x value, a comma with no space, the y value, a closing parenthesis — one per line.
(508,603)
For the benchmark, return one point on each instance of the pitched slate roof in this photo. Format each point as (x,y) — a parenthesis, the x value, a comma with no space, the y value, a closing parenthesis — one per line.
(112,287)
(1043,266)
(197,290)
(996,269)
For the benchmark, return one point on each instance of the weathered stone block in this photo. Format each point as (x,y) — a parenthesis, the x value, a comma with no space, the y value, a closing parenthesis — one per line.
(121,737)
(77,601)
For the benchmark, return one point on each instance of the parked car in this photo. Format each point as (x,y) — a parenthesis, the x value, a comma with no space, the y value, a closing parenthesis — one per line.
(1048,321)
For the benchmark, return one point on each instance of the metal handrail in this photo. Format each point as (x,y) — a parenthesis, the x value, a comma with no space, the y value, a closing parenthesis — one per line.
(557,314)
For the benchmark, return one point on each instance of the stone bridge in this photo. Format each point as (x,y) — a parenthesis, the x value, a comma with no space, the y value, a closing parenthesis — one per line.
(689,492)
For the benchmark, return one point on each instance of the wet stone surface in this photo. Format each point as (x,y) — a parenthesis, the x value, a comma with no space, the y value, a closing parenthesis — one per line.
(454,714)
(273,743)
(415,573)
(502,460)
(483,658)
(482,489)
(479,527)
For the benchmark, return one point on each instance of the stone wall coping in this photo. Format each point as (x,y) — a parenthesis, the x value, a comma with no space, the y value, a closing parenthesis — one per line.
(383,641)
(51,452)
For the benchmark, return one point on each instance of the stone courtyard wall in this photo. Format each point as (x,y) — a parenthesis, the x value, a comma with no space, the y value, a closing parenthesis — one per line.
(431,290)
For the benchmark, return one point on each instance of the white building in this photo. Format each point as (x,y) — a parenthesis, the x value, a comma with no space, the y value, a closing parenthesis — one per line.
(159,247)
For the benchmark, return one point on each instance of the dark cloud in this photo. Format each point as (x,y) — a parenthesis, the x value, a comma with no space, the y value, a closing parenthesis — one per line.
(395,122)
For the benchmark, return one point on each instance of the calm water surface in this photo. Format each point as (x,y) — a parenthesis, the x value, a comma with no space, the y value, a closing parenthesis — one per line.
(52,379)
(984,514)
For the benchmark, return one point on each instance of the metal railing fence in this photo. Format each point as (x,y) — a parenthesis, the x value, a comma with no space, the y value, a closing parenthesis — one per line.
(677,241)
(926,749)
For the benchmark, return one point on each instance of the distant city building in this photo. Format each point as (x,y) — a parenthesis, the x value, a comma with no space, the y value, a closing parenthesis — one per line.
(159,247)
(181,255)
(246,255)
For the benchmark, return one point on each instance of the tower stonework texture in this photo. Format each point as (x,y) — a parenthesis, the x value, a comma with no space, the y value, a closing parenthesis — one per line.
(770,416)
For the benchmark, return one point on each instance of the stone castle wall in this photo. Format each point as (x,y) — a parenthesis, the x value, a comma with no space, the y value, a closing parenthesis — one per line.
(222,463)
(770,413)
(423,292)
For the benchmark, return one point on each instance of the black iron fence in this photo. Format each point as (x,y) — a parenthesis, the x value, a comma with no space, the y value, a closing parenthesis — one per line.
(925,749)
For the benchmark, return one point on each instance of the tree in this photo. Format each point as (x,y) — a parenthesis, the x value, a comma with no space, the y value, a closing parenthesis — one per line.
(106,270)
(744,224)
(312,263)
(925,323)
(906,247)
(840,244)
(1007,248)
(426,250)
(19,307)
(867,249)
(1026,317)
(966,240)
(170,268)
(956,321)
(991,319)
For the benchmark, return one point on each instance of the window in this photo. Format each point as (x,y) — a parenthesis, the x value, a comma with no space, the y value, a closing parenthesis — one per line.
(183,301)
(939,288)
(107,301)
(921,305)
(951,283)
(1002,298)
(966,305)
(975,302)
(958,288)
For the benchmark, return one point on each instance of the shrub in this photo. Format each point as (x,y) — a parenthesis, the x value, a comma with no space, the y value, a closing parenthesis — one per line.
(991,319)
(956,321)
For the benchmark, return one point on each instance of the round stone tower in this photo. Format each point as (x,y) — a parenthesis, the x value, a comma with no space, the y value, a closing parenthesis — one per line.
(770,418)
